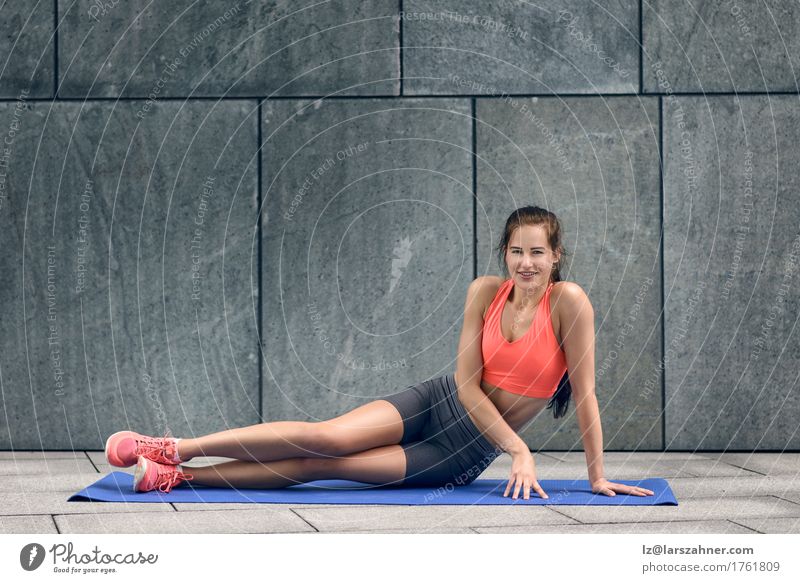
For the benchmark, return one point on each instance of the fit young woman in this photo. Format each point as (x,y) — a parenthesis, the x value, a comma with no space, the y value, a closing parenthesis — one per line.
(527,340)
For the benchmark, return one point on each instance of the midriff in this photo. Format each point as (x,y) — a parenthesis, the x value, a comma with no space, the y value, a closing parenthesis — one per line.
(516,410)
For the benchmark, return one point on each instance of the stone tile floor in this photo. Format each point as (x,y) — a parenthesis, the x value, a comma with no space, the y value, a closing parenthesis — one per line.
(717,493)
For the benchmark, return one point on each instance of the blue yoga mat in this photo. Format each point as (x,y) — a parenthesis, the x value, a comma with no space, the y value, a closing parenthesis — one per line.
(118,487)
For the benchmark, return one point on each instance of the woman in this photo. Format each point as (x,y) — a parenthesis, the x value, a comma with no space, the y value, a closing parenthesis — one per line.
(526,341)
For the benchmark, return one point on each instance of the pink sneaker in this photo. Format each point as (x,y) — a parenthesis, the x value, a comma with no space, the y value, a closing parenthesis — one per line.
(152,475)
(124,447)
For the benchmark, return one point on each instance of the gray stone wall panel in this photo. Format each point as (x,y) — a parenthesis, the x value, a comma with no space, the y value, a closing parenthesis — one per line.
(26,49)
(211,48)
(488,48)
(720,47)
(731,257)
(367,248)
(123,310)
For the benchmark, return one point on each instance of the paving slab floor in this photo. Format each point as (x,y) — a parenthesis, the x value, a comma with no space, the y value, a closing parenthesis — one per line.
(717,493)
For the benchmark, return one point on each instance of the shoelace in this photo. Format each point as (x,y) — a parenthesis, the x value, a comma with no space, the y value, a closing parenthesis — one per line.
(169,477)
(162,447)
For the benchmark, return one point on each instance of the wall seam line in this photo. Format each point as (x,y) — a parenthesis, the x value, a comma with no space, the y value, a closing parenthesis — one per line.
(55,49)
(663,248)
(474,107)
(259,236)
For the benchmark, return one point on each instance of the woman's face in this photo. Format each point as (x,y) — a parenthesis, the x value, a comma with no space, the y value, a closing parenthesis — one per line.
(529,251)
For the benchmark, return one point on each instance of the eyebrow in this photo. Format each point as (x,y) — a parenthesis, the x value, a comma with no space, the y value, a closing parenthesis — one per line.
(515,247)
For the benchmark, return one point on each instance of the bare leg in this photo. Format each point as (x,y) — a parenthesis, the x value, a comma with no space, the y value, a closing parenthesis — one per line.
(382,465)
(240,474)
(262,442)
(372,425)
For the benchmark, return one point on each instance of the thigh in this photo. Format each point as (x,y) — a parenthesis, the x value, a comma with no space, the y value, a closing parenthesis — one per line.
(414,406)
(434,463)
(381,465)
(451,428)
(371,425)
(429,463)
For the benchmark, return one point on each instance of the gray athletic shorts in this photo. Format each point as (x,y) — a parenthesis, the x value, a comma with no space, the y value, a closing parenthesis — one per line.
(441,443)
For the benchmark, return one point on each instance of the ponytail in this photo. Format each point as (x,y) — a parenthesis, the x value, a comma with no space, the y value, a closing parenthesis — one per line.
(560,400)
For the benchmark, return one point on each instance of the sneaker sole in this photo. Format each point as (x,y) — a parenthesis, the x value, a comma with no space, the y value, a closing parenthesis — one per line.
(141,472)
(115,462)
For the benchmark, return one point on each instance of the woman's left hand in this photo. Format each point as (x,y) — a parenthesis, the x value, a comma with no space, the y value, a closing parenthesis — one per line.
(603,486)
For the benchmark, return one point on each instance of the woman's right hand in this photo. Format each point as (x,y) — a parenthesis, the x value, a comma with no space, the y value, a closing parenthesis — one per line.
(523,475)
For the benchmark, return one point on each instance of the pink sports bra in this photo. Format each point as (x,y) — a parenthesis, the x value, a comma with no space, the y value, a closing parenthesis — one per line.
(532,365)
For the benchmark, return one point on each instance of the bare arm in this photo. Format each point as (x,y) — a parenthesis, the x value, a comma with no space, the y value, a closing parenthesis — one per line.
(577,325)
(469,371)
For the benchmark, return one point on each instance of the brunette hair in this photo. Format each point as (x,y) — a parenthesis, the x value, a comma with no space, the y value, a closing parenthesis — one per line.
(534,215)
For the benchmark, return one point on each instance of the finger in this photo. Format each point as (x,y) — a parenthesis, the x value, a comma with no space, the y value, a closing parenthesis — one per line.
(526,490)
(511,483)
(645,491)
(517,488)
(540,491)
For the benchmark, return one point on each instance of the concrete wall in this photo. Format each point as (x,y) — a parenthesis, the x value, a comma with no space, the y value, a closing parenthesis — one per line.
(214,213)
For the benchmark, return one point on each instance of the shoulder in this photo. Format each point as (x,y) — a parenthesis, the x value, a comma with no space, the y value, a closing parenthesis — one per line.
(483,289)
(485,286)
(569,298)
(486,282)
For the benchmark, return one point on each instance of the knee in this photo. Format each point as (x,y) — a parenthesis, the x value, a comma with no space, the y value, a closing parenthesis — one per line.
(327,440)
(319,468)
